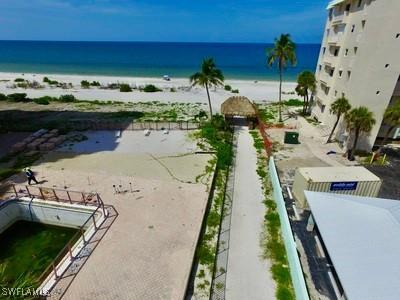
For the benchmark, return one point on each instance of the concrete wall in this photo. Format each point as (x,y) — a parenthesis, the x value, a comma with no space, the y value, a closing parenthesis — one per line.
(65,215)
(370,48)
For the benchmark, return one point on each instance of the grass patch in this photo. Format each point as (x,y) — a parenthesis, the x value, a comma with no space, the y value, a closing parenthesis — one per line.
(28,248)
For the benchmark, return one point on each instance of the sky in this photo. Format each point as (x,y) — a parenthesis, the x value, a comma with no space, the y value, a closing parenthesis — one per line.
(162,20)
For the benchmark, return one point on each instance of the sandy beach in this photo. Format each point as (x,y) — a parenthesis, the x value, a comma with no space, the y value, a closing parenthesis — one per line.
(257,91)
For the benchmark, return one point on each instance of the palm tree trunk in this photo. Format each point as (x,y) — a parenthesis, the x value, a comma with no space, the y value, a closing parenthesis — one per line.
(333,129)
(209,101)
(280,92)
(387,135)
(307,100)
(357,134)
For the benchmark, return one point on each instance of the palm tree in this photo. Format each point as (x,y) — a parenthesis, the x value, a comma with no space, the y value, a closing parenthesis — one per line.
(209,76)
(360,120)
(283,53)
(307,83)
(340,107)
(392,119)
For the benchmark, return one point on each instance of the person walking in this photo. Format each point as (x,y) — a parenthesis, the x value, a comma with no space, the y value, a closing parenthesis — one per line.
(30,175)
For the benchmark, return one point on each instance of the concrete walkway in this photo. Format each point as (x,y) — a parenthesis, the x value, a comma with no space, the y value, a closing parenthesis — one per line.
(248,276)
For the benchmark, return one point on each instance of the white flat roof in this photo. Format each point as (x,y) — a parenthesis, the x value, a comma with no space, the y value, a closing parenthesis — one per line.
(362,237)
(342,174)
(334,2)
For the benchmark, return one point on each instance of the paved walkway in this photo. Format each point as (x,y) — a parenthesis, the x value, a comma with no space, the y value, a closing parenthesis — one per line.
(248,276)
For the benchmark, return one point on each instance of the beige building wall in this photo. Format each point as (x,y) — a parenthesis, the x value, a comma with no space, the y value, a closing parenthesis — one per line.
(359,59)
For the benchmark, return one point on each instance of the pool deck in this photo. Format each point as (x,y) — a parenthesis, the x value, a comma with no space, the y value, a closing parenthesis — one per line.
(147,252)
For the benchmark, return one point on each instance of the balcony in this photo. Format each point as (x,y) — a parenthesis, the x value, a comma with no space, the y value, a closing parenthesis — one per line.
(338,19)
(335,39)
(330,60)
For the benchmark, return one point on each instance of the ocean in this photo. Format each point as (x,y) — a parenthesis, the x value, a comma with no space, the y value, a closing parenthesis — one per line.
(147,59)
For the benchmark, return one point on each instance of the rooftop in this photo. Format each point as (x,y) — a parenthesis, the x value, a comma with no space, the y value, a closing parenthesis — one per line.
(334,2)
(365,243)
(342,174)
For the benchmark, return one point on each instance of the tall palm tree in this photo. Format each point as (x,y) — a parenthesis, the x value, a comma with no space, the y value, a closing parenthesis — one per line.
(360,120)
(339,107)
(392,119)
(283,53)
(209,76)
(306,80)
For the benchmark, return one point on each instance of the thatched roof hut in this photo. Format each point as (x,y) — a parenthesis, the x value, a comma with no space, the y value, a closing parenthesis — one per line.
(238,106)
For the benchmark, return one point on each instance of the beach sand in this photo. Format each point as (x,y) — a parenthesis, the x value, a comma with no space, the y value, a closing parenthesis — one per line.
(257,91)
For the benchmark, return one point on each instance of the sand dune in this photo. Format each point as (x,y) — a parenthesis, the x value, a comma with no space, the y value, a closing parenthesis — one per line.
(255,90)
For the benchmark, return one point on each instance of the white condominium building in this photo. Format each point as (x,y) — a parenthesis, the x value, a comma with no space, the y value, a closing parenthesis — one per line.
(360,59)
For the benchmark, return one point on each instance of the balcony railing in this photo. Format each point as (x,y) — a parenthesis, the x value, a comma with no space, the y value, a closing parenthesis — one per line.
(330,60)
(335,38)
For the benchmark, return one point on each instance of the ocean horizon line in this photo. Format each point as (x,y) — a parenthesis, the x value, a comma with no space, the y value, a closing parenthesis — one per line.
(155,42)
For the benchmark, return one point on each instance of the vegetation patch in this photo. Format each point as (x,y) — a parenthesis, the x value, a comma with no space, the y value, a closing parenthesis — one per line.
(151,88)
(214,135)
(271,239)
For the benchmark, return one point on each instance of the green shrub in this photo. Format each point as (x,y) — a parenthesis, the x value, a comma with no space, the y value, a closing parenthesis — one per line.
(236,91)
(293,102)
(41,101)
(125,88)
(85,84)
(19,80)
(51,82)
(95,83)
(17,97)
(66,98)
(172,90)
(23,85)
(151,88)
(227,87)
(3,97)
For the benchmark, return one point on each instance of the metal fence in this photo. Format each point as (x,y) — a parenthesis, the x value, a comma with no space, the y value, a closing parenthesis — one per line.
(44,193)
(296,270)
(129,125)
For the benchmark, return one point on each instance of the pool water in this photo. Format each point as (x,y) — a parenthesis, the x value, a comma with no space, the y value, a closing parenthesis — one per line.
(27,249)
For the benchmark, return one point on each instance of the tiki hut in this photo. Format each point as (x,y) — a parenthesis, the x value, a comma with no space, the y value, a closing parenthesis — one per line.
(239,106)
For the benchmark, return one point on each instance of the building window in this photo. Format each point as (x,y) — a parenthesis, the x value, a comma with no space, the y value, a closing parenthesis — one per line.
(331,72)
(387,66)
(378,92)
(363,23)
(353,27)
(359,3)
(335,93)
(323,51)
(340,74)
(348,6)
(336,52)
(346,52)
(327,32)
(343,95)
(348,74)
(323,108)
(355,50)
(397,35)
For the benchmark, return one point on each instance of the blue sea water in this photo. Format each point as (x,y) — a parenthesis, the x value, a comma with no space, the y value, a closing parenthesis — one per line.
(147,59)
